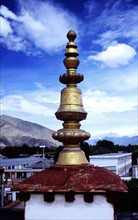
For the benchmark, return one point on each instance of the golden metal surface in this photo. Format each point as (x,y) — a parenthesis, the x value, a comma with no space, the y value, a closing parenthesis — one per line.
(71,109)
(71,136)
(71,157)
(71,100)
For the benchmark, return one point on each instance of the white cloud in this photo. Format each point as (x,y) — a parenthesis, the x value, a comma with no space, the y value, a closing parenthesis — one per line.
(14,43)
(107,38)
(37,102)
(123,81)
(38,106)
(44,31)
(109,98)
(5,28)
(106,113)
(112,20)
(115,56)
(115,81)
(7,13)
(102,102)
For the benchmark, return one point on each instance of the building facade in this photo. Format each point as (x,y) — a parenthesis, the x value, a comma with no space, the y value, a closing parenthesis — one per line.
(119,163)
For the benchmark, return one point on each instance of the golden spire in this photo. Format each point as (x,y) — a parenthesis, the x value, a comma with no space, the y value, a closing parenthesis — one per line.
(71,109)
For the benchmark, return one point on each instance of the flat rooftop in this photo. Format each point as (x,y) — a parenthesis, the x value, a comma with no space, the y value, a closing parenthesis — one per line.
(111,155)
(19,161)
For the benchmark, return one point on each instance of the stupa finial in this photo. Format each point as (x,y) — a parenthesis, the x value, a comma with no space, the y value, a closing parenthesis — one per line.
(71,35)
(71,109)
(71,61)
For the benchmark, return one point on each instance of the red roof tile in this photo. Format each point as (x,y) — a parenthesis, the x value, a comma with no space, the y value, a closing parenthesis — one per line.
(77,178)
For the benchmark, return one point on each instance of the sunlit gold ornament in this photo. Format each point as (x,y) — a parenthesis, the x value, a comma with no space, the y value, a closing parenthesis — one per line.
(71,109)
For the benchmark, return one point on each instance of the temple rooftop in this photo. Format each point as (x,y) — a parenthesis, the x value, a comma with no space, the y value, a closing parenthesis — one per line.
(77,178)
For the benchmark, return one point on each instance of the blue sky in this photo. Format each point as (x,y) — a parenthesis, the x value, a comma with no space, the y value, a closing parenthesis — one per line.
(33,40)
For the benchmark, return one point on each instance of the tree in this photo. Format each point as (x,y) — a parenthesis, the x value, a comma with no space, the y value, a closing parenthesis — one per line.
(105,144)
(58,150)
(86,148)
(128,201)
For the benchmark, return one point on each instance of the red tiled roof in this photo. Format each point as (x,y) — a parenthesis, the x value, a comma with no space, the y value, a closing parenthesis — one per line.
(77,178)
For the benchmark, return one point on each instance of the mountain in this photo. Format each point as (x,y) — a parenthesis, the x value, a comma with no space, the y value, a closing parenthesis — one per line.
(16,132)
(124,140)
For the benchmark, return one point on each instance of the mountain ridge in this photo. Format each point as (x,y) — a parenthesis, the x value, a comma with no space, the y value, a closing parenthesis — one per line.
(123,140)
(16,132)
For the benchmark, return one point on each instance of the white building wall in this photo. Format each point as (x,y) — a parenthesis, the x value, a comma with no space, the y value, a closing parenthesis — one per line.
(135,171)
(36,208)
(102,162)
(118,163)
(124,164)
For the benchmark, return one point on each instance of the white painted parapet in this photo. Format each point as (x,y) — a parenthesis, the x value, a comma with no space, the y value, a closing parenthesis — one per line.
(36,208)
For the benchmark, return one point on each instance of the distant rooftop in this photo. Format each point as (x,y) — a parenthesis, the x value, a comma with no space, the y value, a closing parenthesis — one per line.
(111,155)
(18,161)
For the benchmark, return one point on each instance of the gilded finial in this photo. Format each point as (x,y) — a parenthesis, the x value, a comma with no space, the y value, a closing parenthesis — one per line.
(71,35)
(71,110)
(71,61)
